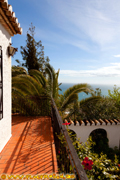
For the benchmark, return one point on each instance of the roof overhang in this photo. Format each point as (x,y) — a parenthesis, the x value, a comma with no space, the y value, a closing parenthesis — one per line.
(8,19)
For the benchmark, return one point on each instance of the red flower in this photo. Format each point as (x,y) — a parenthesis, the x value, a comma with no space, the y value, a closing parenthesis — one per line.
(65,123)
(58,152)
(87,163)
(119,165)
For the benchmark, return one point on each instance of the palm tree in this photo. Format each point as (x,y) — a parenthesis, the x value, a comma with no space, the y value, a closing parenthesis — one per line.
(52,81)
(16,70)
(28,86)
(71,95)
(34,84)
(79,108)
(27,91)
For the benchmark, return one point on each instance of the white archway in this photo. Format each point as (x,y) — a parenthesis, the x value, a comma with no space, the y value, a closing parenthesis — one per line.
(99,136)
(113,132)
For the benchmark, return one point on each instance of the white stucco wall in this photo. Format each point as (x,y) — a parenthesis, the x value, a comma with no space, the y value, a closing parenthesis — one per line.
(113,132)
(5,123)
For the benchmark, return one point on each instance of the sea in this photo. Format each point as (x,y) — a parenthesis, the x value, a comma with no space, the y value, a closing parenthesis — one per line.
(82,95)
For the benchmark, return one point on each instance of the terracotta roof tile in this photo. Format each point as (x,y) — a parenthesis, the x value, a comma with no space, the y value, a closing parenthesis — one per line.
(95,121)
(101,121)
(90,122)
(86,122)
(81,122)
(8,16)
(115,121)
(119,120)
(106,121)
(77,123)
(111,121)
(71,121)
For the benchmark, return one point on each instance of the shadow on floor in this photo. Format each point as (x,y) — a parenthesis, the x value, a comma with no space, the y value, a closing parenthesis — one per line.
(29,151)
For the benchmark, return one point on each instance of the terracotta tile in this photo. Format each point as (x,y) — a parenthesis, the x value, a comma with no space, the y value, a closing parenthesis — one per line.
(7,152)
(34,165)
(9,171)
(29,164)
(26,172)
(1,170)
(4,165)
(2,161)
(4,157)
(32,151)
(49,169)
(23,170)
(37,170)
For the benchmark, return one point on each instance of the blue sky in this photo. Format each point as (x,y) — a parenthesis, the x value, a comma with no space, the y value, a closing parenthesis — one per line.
(81,37)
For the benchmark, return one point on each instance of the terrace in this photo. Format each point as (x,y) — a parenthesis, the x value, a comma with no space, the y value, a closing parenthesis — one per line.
(31,148)
(34,145)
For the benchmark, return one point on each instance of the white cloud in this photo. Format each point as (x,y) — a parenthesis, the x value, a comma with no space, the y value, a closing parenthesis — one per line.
(117,55)
(96,22)
(110,71)
(83,24)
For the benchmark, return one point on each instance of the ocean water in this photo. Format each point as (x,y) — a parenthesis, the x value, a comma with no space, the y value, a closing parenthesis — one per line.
(82,95)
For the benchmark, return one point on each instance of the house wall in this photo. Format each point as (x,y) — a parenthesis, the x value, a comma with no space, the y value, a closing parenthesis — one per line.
(113,132)
(5,123)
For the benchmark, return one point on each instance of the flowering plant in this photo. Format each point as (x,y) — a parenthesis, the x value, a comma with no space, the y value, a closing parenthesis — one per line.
(66,123)
(87,163)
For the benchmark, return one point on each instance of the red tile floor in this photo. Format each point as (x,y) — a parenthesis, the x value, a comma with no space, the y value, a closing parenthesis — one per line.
(31,148)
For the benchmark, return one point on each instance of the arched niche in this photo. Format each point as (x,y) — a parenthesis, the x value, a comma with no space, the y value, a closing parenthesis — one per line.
(73,134)
(99,136)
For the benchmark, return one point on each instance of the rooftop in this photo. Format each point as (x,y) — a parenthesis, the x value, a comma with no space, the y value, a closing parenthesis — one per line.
(8,18)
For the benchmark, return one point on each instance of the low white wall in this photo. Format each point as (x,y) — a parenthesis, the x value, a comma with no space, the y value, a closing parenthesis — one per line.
(113,132)
(5,123)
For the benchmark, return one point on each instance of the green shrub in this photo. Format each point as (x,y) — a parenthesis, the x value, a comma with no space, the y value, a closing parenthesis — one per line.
(102,168)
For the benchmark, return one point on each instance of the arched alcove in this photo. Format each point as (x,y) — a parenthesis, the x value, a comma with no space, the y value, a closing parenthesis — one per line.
(112,132)
(99,136)
(73,134)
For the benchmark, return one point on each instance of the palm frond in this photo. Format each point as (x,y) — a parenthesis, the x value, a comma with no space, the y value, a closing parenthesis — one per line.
(94,99)
(28,85)
(70,99)
(77,89)
(52,80)
(38,76)
(16,70)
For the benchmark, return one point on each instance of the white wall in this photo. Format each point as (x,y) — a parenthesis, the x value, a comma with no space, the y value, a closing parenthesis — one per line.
(113,132)
(5,123)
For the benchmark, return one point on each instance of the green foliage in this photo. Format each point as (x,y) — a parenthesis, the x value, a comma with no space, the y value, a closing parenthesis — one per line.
(27,92)
(39,77)
(99,136)
(33,52)
(71,95)
(52,82)
(101,108)
(33,84)
(96,106)
(103,168)
(16,70)
(62,156)
(98,92)
(115,95)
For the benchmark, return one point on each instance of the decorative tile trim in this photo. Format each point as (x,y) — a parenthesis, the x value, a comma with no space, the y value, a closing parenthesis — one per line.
(94,122)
